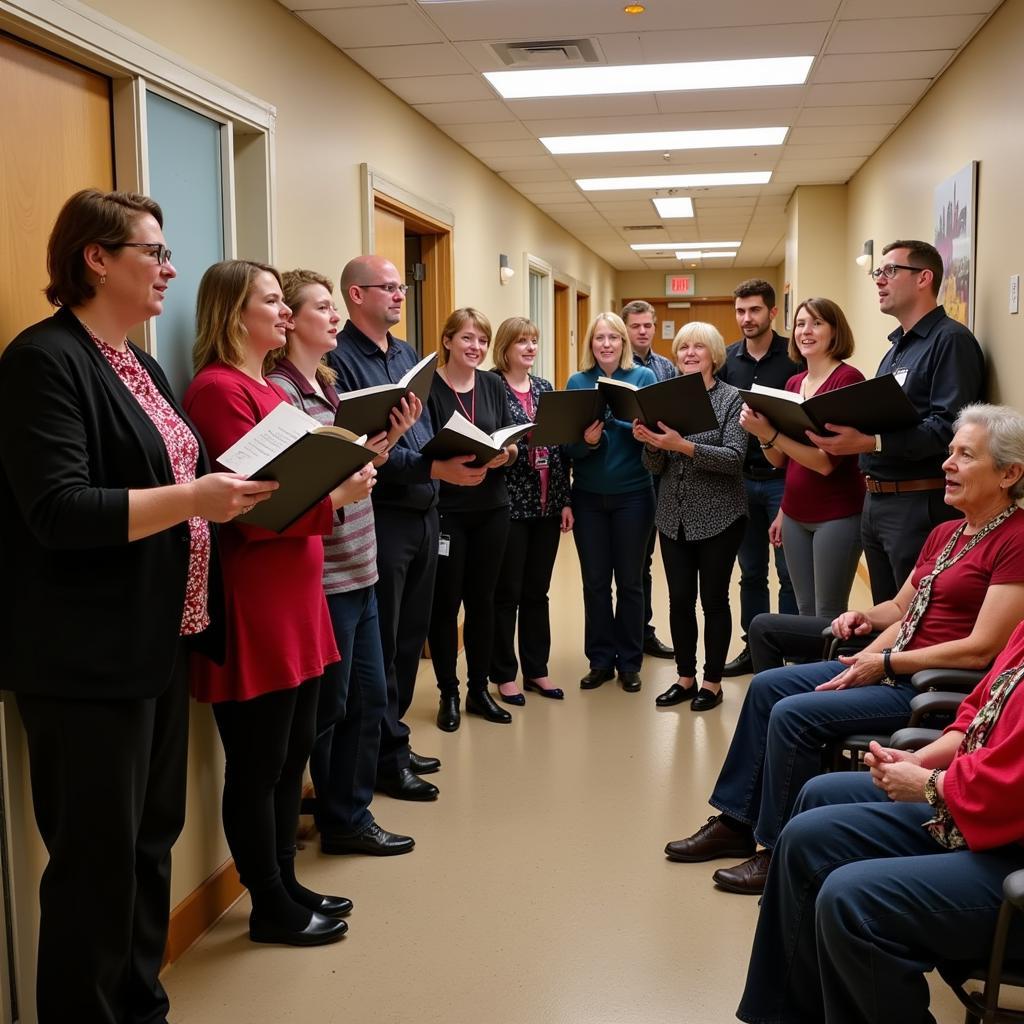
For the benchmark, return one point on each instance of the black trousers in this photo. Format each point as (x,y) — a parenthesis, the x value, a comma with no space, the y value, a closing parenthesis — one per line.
(776,639)
(704,566)
(108,789)
(467,576)
(648,563)
(406,564)
(267,741)
(523,585)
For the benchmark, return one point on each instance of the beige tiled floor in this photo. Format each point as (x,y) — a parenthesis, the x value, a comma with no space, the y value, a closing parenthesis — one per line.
(537,891)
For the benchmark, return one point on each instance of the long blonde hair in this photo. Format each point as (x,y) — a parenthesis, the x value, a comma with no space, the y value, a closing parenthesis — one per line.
(293,285)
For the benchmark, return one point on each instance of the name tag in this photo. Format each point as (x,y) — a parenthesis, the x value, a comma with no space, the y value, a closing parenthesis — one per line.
(901,377)
(444,545)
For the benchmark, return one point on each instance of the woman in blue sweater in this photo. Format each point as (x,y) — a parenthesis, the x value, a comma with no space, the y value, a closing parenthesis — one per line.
(613,507)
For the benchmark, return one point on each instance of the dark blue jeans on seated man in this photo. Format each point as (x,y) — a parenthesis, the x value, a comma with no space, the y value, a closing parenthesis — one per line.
(611,533)
(782,727)
(860,902)
(353,699)
(764,497)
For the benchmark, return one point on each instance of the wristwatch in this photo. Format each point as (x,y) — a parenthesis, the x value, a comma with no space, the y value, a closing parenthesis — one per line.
(888,676)
(931,788)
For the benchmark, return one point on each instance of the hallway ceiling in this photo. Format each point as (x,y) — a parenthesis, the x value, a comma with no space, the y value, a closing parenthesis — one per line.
(873,61)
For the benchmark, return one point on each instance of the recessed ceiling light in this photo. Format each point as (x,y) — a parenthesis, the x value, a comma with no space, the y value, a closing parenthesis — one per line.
(634,9)
(673,206)
(691,255)
(627,78)
(675,181)
(649,142)
(654,246)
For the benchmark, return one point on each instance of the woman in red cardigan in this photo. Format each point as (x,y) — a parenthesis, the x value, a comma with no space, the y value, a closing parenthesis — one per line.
(279,636)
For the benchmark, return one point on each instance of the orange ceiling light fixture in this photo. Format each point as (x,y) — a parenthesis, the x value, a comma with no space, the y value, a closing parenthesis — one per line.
(634,9)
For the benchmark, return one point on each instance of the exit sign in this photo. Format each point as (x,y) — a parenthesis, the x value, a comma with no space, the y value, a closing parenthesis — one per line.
(679,284)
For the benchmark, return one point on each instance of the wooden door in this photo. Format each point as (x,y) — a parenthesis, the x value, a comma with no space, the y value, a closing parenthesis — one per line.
(563,348)
(55,138)
(389,242)
(582,322)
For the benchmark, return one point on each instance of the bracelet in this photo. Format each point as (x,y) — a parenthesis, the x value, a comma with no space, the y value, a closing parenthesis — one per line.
(889,677)
(770,443)
(931,788)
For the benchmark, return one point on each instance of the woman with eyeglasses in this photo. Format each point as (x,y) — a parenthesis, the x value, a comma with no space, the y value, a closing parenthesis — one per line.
(279,635)
(473,521)
(110,580)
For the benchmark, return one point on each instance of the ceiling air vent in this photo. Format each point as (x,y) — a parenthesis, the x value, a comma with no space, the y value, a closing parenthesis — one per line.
(644,227)
(548,53)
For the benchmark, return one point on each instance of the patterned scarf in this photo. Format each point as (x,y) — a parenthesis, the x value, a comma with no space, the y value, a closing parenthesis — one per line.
(942,827)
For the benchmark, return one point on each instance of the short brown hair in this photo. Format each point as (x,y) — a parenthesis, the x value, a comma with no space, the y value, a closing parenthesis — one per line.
(636,308)
(755,286)
(614,321)
(90,217)
(223,292)
(509,332)
(293,287)
(922,255)
(455,322)
(841,345)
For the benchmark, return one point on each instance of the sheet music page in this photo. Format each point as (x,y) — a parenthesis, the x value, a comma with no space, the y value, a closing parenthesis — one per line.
(276,432)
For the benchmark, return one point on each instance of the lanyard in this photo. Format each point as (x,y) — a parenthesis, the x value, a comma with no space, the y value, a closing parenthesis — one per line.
(469,413)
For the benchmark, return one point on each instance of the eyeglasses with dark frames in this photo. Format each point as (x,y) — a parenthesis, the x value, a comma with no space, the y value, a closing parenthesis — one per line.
(394,289)
(156,249)
(889,270)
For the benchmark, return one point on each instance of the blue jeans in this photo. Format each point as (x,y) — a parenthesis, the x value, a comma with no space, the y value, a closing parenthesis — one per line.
(353,699)
(860,902)
(783,724)
(763,500)
(611,532)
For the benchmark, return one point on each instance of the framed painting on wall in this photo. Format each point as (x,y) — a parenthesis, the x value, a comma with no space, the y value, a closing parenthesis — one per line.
(955,231)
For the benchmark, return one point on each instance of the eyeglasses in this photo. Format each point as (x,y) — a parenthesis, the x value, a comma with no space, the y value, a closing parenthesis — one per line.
(394,289)
(161,252)
(889,270)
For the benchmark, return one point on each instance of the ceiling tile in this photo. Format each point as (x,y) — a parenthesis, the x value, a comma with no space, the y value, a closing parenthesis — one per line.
(830,149)
(880,67)
(730,99)
(373,26)
(301,6)
(521,163)
(541,188)
(873,133)
(515,147)
(525,177)
(503,130)
(401,61)
(439,88)
(686,121)
(471,112)
(902,34)
(886,113)
(915,8)
(584,106)
(728,44)
(851,94)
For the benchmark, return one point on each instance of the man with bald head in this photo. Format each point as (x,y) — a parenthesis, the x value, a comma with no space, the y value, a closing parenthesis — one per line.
(404,509)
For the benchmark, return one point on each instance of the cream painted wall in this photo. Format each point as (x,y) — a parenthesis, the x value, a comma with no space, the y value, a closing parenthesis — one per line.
(631,284)
(816,249)
(971,113)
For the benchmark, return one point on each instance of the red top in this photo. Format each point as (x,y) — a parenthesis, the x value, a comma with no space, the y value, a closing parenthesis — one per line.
(984,790)
(278,629)
(958,593)
(810,497)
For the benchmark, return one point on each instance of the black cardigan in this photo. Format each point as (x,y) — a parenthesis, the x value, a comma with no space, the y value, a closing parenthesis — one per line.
(83,612)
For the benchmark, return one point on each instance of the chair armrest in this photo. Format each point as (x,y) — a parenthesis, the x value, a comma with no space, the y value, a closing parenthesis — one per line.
(1013,888)
(834,645)
(934,702)
(962,680)
(913,739)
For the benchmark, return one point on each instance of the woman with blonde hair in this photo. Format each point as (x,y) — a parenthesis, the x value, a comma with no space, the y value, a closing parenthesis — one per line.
(613,506)
(279,636)
(701,516)
(473,521)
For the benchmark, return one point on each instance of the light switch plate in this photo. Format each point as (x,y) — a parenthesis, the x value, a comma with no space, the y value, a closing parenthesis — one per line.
(1015,293)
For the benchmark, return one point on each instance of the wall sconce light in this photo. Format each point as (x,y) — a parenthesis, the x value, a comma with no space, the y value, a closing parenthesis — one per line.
(867,256)
(505,271)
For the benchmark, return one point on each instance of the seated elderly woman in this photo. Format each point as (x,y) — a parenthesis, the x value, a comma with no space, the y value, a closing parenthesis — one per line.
(858,906)
(956,610)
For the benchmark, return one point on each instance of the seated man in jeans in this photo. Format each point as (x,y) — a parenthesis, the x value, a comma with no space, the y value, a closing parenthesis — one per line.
(957,609)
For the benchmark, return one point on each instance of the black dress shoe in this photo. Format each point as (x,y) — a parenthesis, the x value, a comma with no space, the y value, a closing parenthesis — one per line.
(448,715)
(706,700)
(676,694)
(406,786)
(741,665)
(374,840)
(480,702)
(595,677)
(630,681)
(423,765)
(517,700)
(318,932)
(553,694)
(334,906)
(654,647)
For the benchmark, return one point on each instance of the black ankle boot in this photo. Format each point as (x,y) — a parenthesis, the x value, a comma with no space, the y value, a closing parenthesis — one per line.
(480,702)
(448,715)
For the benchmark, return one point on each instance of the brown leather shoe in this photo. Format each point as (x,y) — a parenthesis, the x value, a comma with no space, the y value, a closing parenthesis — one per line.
(747,878)
(711,841)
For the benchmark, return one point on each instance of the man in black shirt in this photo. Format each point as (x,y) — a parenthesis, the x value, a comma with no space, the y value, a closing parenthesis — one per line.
(941,367)
(760,356)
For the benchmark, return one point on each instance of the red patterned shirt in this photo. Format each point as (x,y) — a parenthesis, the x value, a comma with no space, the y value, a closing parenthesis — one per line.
(183,452)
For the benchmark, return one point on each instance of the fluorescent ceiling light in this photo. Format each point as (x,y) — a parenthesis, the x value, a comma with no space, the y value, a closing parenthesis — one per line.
(627,78)
(691,255)
(673,206)
(675,181)
(654,246)
(649,142)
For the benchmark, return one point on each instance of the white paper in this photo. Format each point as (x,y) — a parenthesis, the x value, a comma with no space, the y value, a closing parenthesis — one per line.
(275,433)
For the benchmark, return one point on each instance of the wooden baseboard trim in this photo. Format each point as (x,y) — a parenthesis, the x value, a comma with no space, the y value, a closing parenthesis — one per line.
(201,910)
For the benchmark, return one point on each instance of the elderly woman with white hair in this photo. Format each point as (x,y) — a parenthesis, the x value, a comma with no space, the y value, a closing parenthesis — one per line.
(701,515)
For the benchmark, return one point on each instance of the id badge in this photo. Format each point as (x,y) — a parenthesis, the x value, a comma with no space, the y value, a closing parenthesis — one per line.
(539,458)
(444,545)
(901,377)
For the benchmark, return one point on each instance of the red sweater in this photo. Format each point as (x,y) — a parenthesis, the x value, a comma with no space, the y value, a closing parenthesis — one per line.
(985,790)
(810,497)
(278,628)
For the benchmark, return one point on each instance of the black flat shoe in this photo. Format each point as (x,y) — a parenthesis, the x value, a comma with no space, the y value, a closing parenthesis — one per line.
(595,677)
(318,932)
(676,694)
(517,700)
(448,715)
(406,786)
(707,699)
(334,906)
(553,694)
(630,681)
(423,765)
(480,702)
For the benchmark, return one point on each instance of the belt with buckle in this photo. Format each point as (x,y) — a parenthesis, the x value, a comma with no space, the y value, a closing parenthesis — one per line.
(904,486)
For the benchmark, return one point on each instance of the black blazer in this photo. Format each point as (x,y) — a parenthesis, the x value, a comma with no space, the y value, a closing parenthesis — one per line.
(83,612)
